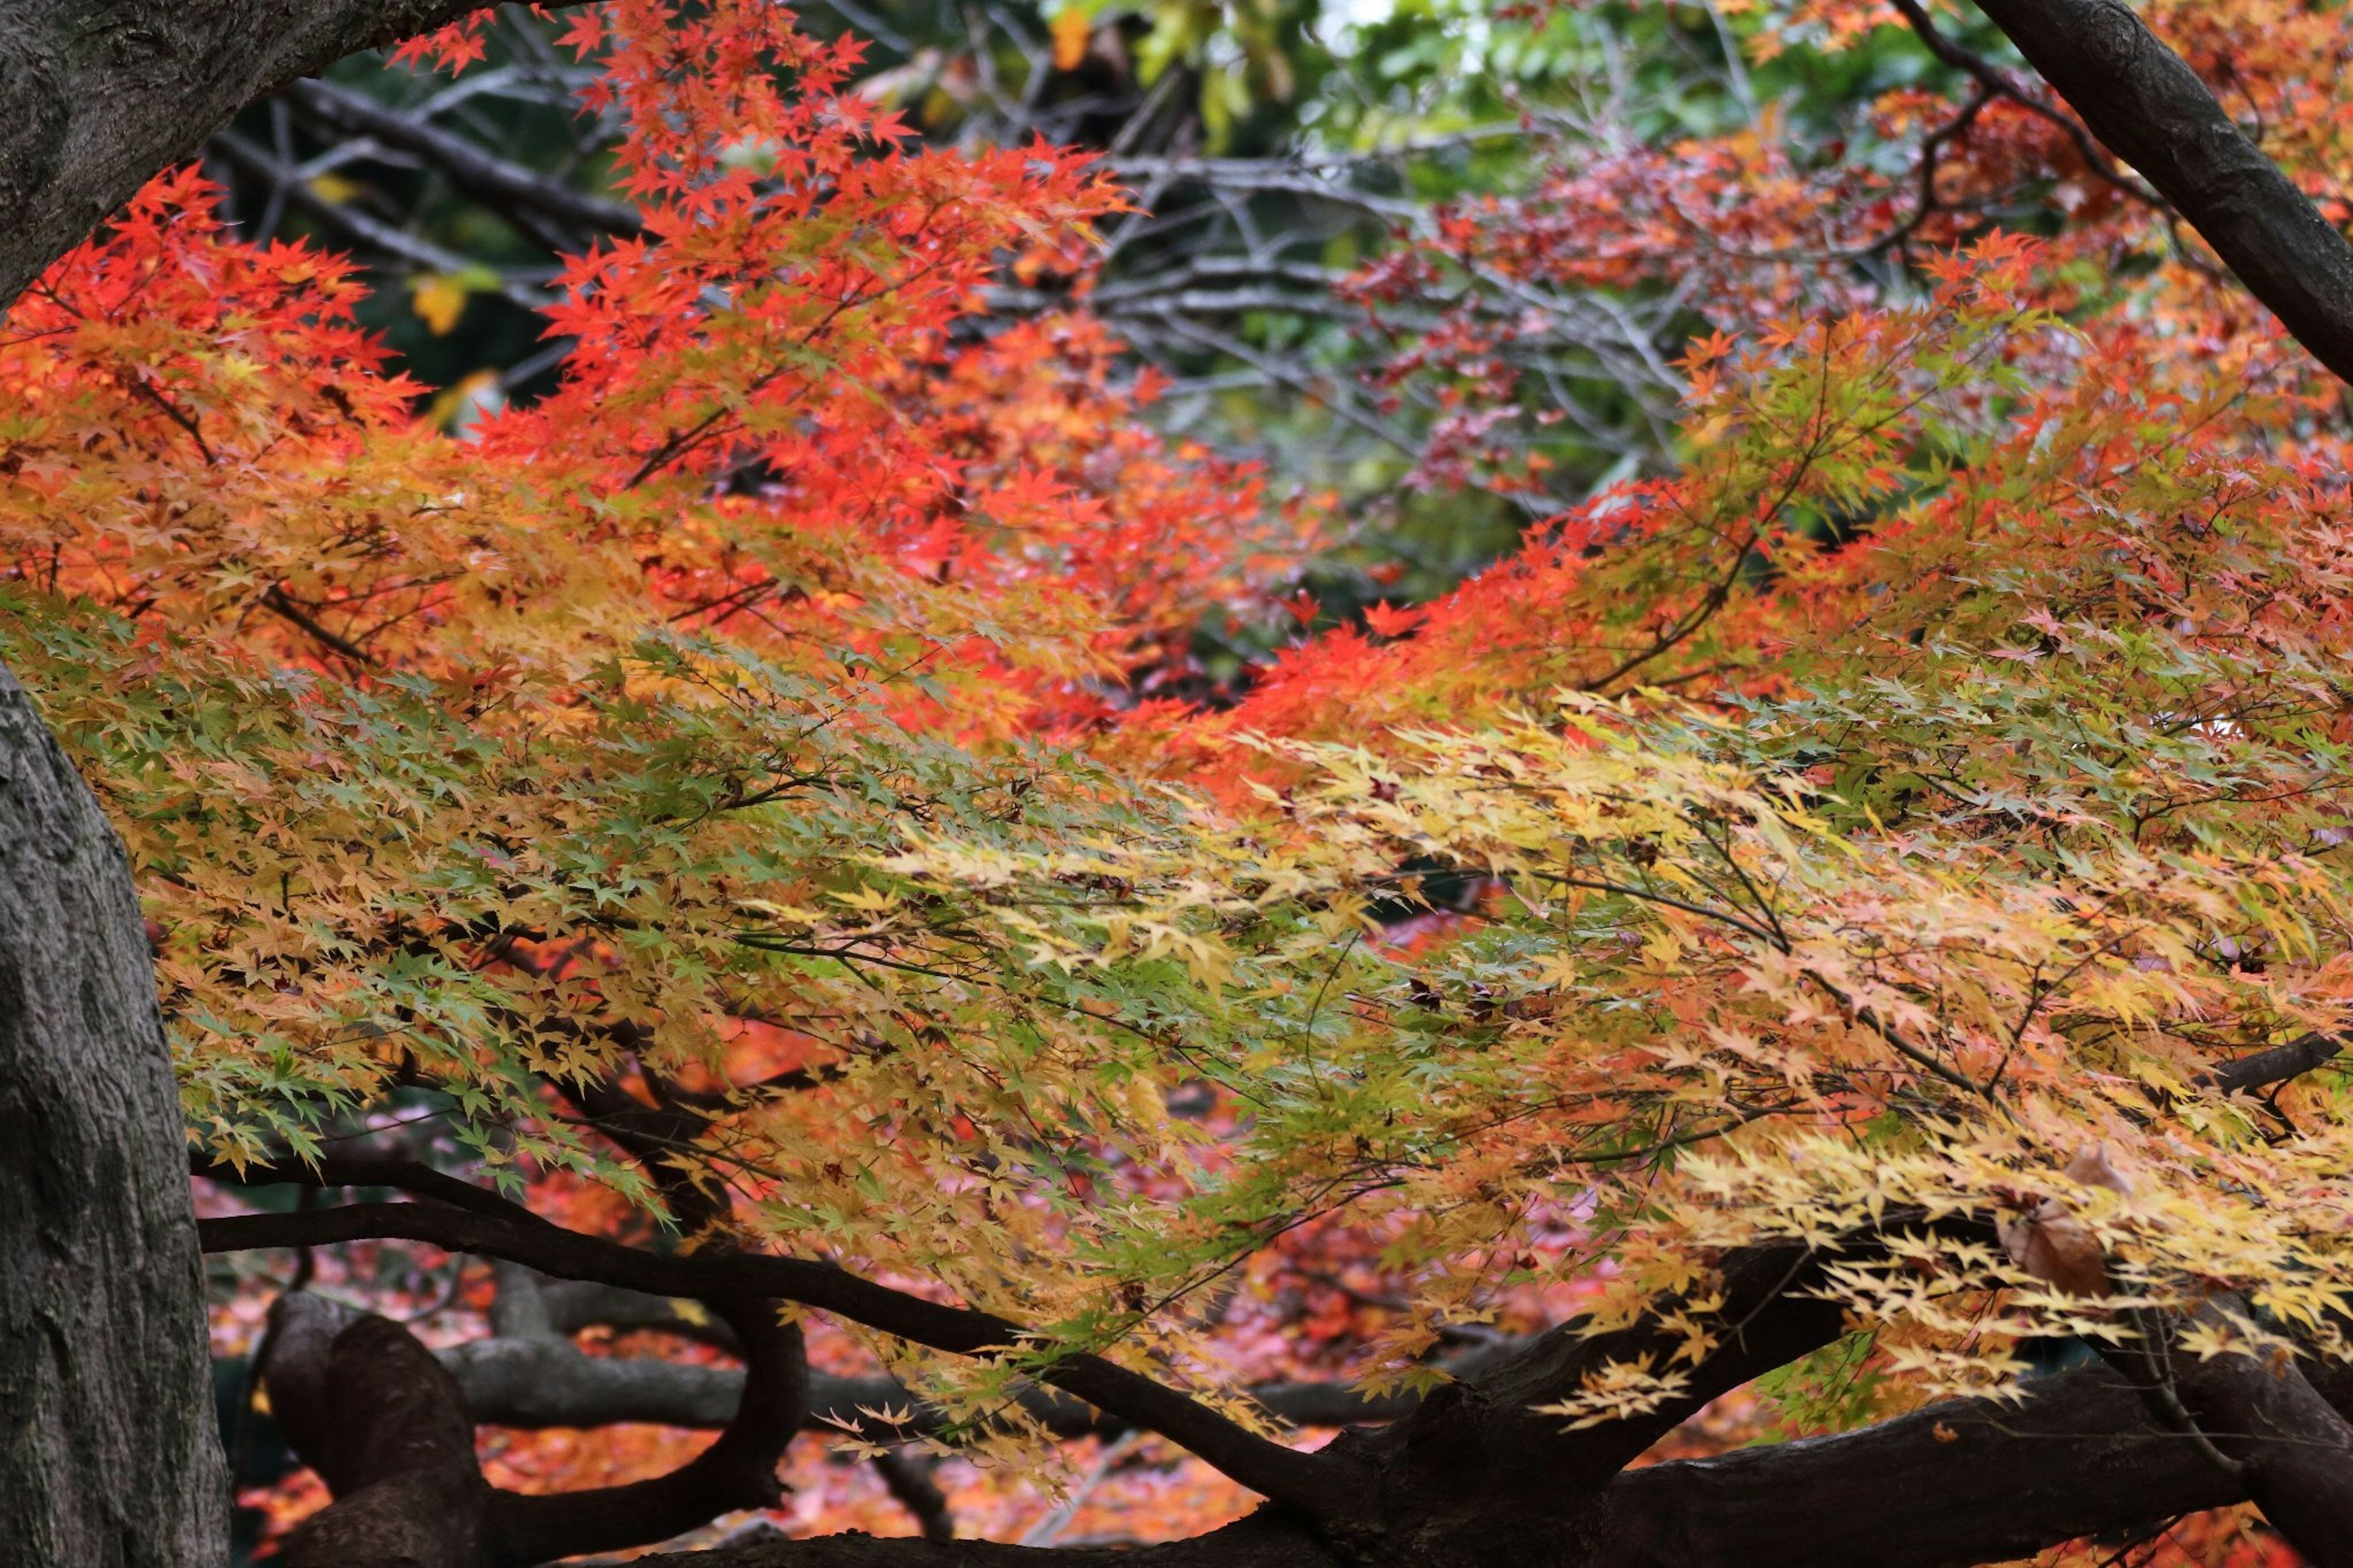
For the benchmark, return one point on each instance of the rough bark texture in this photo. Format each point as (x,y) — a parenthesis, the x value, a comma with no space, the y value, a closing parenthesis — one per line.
(2145,102)
(108,1452)
(98,95)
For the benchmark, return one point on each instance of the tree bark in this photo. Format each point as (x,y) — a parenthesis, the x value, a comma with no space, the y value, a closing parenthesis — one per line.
(108,1453)
(386,1426)
(109,1456)
(1963,1482)
(2145,103)
(100,96)
(2261,1422)
(365,1406)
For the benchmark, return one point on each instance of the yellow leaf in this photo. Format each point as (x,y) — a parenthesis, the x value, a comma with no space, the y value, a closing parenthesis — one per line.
(439,301)
(459,405)
(1071,29)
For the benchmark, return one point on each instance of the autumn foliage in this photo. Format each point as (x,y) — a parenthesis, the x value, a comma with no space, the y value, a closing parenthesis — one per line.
(1904,806)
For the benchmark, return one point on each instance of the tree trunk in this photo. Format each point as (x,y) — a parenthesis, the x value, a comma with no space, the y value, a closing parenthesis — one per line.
(108,1455)
(108,1452)
(99,98)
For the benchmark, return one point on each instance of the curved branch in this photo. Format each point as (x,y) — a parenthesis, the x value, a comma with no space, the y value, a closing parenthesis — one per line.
(737,1472)
(2259,1426)
(2141,98)
(1479,1456)
(1318,1484)
(365,1404)
(412,1176)
(1959,1483)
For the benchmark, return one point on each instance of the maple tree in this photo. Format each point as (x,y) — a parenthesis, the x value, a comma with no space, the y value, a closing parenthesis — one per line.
(1817,929)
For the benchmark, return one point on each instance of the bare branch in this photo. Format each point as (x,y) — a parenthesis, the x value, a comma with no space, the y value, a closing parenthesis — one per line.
(487,178)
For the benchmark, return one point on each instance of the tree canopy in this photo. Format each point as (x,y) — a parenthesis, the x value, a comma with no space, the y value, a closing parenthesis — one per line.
(1280,787)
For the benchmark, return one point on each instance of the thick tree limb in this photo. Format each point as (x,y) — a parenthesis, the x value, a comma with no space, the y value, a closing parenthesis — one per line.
(2141,100)
(1452,1461)
(386,1427)
(1476,1473)
(365,1406)
(1468,1477)
(2262,1426)
(99,99)
(1472,1466)
(549,1382)
(2263,1070)
(1964,1482)
(2295,1449)
(1318,1484)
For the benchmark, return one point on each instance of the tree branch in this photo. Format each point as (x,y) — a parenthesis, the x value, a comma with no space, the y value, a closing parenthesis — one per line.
(98,101)
(2261,1425)
(1959,1483)
(1996,84)
(365,1404)
(2264,1068)
(421,253)
(1962,1482)
(737,1472)
(1315,1483)
(403,1175)
(366,1407)
(2139,97)
(487,178)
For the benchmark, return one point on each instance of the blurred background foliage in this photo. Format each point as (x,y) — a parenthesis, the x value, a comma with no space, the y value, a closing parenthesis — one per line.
(1276,150)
